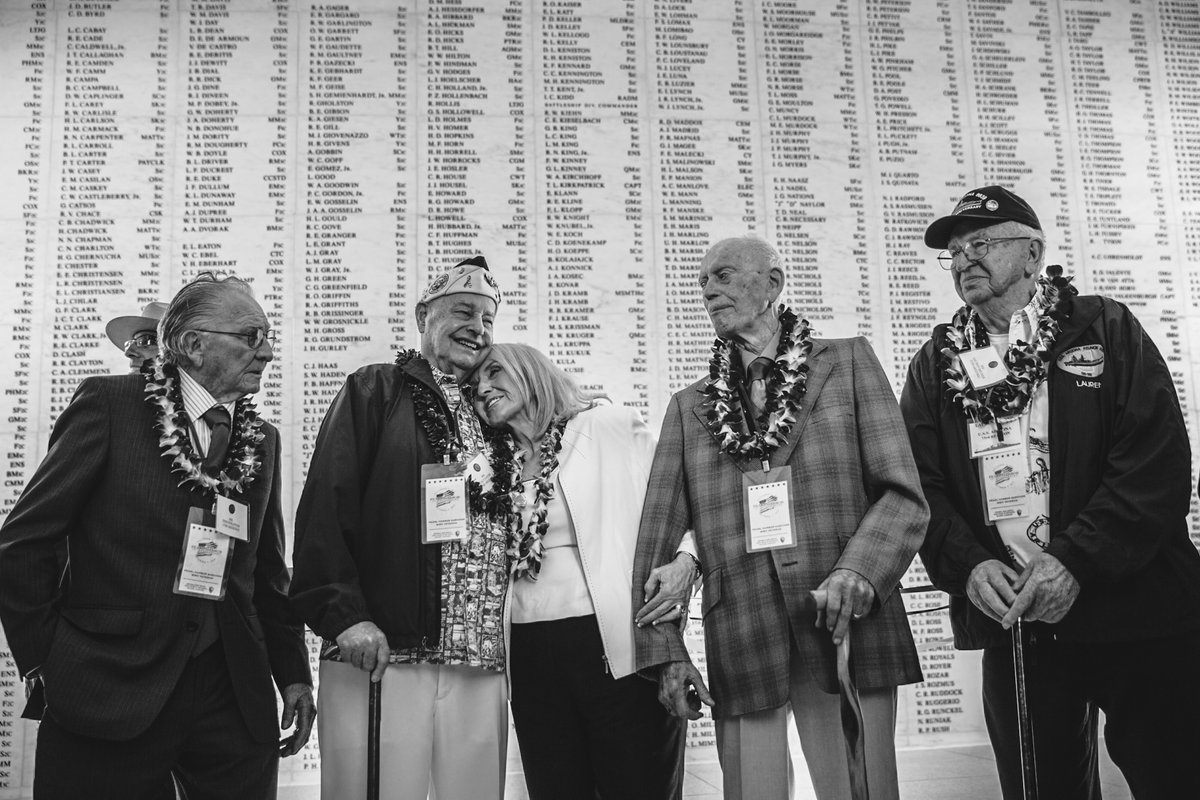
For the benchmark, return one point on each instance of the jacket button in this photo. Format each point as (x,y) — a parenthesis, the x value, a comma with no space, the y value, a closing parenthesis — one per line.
(192,627)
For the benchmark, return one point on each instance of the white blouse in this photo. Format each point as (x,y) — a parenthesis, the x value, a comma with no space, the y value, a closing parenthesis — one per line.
(561,588)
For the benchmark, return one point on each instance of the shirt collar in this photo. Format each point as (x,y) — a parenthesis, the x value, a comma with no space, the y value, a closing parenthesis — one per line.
(769,351)
(196,399)
(1024,322)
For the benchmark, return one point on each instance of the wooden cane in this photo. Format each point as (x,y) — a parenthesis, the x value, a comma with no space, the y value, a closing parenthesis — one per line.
(374,715)
(854,731)
(1029,782)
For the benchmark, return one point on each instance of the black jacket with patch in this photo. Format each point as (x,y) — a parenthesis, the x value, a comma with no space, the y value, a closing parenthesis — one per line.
(1120,485)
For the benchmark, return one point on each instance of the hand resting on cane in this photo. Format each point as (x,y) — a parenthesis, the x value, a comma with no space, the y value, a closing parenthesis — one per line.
(1046,590)
(365,646)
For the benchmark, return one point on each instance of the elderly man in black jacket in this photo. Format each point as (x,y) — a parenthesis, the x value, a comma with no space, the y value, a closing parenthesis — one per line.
(388,598)
(1053,453)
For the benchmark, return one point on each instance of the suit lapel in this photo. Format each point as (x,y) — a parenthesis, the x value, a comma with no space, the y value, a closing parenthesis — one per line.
(818,372)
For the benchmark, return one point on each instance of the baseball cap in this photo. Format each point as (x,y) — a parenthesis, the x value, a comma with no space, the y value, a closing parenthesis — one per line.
(990,204)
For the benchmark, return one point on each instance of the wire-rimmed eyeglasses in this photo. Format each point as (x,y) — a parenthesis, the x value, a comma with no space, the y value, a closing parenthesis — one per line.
(142,340)
(974,250)
(253,338)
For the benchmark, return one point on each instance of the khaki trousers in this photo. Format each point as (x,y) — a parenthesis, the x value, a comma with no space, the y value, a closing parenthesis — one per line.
(444,732)
(753,748)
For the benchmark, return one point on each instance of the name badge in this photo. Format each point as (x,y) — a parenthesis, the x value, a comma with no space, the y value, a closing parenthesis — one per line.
(1000,434)
(1003,477)
(444,513)
(204,563)
(983,366)
(767,509)
(231,518)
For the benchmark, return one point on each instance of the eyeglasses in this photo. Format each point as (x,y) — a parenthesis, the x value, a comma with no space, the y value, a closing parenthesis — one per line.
(973,250)
(253,338)
(142,340)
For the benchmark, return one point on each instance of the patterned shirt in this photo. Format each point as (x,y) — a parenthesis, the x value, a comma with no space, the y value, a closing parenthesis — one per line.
(474,574)
(1028,535)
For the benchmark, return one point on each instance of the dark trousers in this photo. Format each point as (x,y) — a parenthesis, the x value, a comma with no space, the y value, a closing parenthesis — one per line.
(584,735)
(1150,698)
(200,736)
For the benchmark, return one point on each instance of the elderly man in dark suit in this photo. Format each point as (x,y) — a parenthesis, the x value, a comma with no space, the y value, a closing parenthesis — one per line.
(791,464)
(158,654)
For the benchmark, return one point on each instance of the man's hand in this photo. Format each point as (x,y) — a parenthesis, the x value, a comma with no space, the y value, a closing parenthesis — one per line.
(668,591)
(848,595)
(1045,592)
(298,707)
(673,683)
(366,647)
(990,588)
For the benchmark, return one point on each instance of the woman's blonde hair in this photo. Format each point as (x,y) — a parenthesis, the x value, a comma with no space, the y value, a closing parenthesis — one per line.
(548,392)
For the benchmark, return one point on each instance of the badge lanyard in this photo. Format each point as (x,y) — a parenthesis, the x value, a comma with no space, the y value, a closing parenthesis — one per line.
(208,543)
(766,497)
(445,512)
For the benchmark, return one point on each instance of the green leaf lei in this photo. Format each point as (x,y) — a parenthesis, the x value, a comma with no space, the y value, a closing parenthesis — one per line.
(495,500)
(1026,362)
(786,387)
(243,459)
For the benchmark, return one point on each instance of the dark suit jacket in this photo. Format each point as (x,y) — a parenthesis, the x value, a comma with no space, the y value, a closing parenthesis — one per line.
(112,648)
(857,504)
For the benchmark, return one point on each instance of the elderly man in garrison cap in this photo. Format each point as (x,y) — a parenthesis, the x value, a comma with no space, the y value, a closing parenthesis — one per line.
(137,335)
(417,606)
(161,650)
(1055,459)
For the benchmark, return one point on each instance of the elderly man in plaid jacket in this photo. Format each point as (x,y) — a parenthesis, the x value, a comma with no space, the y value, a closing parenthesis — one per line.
(791,464)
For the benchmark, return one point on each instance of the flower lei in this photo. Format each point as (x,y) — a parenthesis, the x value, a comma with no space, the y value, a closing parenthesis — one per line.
(785,388)
(243,459)
(526,548)
(497,500)
(483,500)
(1026,362)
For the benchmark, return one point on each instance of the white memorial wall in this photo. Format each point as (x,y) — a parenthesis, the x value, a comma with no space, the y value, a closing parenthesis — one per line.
(336,154)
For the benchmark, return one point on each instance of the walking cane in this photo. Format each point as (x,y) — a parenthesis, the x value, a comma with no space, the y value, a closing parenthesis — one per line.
(854,731)
(373,717)
(1024,722)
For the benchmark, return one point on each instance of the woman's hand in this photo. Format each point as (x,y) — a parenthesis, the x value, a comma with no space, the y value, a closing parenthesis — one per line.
(668,590)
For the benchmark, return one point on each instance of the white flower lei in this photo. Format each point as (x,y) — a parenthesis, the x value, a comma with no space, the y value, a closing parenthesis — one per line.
(243,460)
(1026,362)
(526,547)
(787,384)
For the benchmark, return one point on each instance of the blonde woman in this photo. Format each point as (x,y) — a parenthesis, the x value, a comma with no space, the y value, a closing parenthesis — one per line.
(568,482)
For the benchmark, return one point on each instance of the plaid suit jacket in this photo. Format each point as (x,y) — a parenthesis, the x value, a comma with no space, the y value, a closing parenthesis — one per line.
(857,503)
(112,644)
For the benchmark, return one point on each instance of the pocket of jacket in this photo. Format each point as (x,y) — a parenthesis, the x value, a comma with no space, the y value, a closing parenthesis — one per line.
(712,591)
(105,621)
